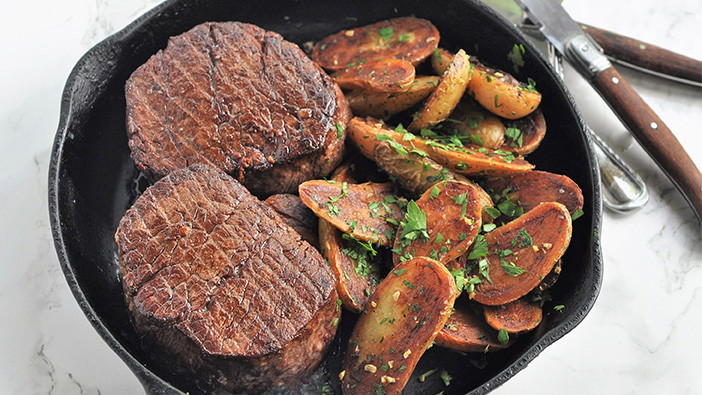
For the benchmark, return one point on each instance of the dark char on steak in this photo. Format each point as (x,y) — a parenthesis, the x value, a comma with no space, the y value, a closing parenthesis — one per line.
(220,287)
(241,99)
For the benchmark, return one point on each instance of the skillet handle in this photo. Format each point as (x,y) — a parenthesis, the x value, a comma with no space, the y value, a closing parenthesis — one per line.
(652,134)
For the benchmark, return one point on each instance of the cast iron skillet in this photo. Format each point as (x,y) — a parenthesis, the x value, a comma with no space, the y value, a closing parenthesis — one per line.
(92,180)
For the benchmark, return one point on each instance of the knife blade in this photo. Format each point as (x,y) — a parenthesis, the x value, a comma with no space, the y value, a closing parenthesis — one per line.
(648,129)
(619,49)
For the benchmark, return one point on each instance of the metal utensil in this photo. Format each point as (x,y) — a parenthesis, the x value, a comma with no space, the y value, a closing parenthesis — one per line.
(648,129)
(624,190)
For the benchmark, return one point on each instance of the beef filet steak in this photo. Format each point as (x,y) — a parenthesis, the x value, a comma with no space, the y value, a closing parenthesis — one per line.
(297,215)
(222,288)
(240,98)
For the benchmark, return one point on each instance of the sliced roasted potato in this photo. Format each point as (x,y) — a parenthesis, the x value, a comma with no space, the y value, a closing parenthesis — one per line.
(357,267)
(384,75)
(401,320)
(467,331)
(534,187)
(383,105)
(447,94)
(501,94)
(482,127)
(441,60)
(416,173)
(369,212)
(367,132)
(522,252)
(524,135)
(297,215)
(444,225)
(515,317)
(409,38)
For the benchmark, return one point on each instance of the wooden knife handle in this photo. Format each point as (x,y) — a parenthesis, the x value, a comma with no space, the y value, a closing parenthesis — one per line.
(647,56)
(652,134)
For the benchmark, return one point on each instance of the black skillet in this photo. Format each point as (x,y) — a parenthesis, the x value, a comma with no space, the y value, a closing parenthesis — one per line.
(92,180)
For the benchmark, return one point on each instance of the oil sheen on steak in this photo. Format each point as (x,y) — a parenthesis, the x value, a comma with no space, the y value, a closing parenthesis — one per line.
(220,286)
(239,98)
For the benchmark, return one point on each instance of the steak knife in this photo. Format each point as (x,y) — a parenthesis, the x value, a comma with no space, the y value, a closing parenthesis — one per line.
(648,129)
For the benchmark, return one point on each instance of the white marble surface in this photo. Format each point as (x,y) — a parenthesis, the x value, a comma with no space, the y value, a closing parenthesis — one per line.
(643,335)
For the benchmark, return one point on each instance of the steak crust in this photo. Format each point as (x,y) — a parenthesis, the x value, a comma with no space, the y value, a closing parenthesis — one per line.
(220,286)
(238,98)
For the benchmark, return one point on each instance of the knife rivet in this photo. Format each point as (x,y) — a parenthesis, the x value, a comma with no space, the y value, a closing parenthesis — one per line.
(585,48)
(642,46)
(615,80)
(654,125)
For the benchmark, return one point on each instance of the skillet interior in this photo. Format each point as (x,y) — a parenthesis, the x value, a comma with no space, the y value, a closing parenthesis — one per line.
(93,180)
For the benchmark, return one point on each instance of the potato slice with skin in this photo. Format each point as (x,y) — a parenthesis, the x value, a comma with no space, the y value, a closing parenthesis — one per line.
(485,129)
(515,317)
(452,212)
(522,252)
(447,94)
(366,211)
(367,132)
(441,60)
(402,318)
(417,174)
(409,38)
(532,130)
(467,331)
(383,105)
(356,278)
(384,75)
(502,94)
(534,187)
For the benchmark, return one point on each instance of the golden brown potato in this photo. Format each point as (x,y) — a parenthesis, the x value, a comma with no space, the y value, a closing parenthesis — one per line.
(524,135)
(483,128)
(383,105)
(365,133)
(447,94)
(384,75)
(409,38)
(401,320)
(467,331)
(369,212)
(441,224)
(515,317)
(534,187)
(355,266)
(520,253)
(440,60)
(502,94)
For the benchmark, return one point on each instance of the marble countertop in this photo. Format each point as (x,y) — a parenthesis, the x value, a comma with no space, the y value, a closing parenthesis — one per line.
(642,336)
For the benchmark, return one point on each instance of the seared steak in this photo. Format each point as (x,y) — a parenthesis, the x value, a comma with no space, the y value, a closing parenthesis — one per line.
(240,98)
(222,288)
(297,215)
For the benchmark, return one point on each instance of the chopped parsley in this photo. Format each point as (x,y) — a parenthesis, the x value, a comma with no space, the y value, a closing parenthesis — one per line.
(577,214)
(511,269)
(403,37)
(559,308)
(459,275)
(339,130)
(522,239)
(435,192)
(386,33)
(503,336)
(515,56)
(515,135)
(445,377)
(480,248)
(426,374)
(415,223)
(399,272)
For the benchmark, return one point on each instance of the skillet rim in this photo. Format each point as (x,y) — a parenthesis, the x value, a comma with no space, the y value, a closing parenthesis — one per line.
(155,384)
